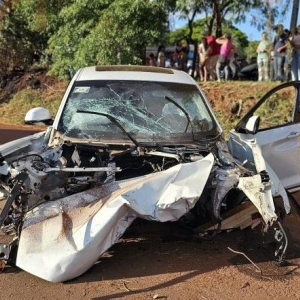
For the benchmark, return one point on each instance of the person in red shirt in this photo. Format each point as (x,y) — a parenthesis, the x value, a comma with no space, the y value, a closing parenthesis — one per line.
(214,46)
(212,55)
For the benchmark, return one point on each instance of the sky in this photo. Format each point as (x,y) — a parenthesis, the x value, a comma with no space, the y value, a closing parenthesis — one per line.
(253,33)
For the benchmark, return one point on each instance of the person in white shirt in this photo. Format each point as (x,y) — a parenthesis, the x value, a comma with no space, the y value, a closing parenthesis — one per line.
(161,56)
(263,60)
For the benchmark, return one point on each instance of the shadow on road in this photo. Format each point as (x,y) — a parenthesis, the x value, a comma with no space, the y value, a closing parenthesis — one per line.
(155,248)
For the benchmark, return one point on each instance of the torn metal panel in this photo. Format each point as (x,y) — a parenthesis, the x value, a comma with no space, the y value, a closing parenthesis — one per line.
(61,240)
(261,196)
(262,165)
(278,189)
(258,187)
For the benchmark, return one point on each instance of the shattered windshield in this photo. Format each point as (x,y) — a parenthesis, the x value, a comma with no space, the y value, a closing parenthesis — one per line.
(148,111)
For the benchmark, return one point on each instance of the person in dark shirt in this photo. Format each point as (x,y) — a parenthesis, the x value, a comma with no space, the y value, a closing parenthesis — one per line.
(179,57)
(152,60)
(280,44)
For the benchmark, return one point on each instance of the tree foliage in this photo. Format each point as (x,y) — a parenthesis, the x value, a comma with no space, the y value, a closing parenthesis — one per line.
(216,12)
(18,42)
(115,33)
(77,33)
(42,15)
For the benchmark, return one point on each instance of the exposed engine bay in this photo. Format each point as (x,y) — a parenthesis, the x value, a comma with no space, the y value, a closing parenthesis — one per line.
(164,183)
(64,170)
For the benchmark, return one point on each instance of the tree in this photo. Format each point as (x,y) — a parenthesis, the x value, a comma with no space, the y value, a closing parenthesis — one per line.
(18,41)
(106,32)
(294,17)
(79,33)
(41,15)
(250,51)
(25,26)
(216,11)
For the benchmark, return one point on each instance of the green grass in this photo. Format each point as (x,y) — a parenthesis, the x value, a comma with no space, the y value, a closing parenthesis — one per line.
(15,110)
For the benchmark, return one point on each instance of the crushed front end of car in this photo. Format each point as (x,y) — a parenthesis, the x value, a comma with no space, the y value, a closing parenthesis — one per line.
(118,151)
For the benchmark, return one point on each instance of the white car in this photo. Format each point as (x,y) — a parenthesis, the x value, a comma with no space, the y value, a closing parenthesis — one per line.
(138,142)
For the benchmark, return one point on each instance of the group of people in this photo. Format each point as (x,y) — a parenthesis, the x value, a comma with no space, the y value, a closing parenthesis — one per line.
(219,52)
(280,59)
(211,51)
(179,57)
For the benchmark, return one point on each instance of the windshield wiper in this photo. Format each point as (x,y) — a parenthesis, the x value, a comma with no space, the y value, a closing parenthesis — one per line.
(113,120)
(184,111)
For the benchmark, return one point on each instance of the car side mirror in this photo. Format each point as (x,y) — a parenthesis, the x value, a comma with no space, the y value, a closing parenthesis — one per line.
(38,116)
(252,125)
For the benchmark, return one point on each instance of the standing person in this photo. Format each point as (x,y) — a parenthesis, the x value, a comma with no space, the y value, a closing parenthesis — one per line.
(183,59)
(263,60)
(213,45)
(176,56)
(180,57)
(152,61)
(288,57)
(203,51)
(279,47)
(295,62)
(225,55)
(212,55)
(233,63)
(161,59)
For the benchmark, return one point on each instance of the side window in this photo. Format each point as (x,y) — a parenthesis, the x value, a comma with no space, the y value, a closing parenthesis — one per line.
(278,109)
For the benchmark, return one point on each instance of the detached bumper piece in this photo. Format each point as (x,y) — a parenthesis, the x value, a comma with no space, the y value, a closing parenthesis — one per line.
(281,241)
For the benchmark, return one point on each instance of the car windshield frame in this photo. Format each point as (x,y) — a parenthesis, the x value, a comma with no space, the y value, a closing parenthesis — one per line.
(105,110)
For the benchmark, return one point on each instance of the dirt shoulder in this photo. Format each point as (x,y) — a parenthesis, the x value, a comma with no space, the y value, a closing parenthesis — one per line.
(152,262)
(159,261)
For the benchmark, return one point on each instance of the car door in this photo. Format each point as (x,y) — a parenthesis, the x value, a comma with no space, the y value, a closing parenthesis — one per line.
(277,134)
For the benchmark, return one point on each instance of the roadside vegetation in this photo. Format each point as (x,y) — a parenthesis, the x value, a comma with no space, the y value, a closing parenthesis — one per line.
(230,100)
(63,36)
(14,111)
(58,37)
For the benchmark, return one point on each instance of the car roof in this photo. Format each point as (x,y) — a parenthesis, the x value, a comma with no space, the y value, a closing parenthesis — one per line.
(133,73)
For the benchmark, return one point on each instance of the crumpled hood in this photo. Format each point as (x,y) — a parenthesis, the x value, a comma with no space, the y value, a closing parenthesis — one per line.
(60,240)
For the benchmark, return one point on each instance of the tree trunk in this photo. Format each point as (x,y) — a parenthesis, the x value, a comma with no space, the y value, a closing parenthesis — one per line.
(217,17)
(192,41)
(294,15)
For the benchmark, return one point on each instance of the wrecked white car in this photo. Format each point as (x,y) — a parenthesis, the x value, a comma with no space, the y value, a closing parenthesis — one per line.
(137,142)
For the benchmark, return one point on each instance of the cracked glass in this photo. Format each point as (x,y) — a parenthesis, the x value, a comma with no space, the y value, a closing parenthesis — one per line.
(147,111)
